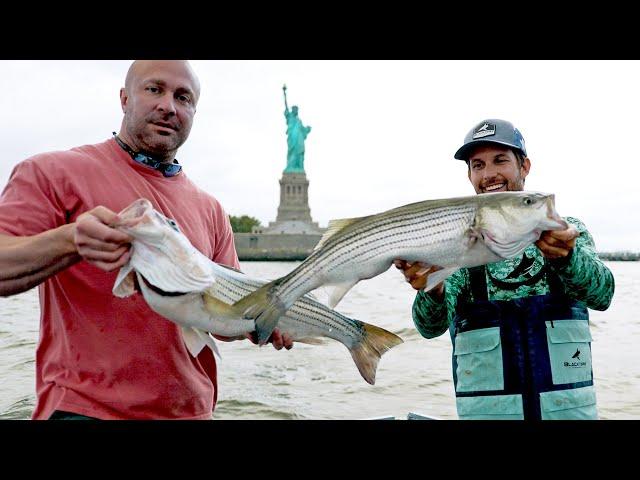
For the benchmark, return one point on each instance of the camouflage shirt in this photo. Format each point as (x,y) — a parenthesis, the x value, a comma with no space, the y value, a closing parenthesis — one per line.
(585,277)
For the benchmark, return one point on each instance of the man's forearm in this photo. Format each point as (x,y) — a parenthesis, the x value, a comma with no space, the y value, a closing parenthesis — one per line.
(28,261)
(586,278)
(430,314)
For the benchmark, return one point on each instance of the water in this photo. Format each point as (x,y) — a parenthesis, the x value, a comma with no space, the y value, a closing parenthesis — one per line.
(322,382)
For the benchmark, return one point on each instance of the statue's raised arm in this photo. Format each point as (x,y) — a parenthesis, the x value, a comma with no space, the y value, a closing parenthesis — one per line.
(284,89)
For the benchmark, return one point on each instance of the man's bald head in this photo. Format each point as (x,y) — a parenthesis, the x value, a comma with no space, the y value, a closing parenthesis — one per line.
(140,68)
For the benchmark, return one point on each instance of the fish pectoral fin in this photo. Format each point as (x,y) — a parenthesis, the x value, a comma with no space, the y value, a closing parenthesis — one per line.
(124,286)
(218,308)
(436,277)
(196,340)
(338,291)
(264,307)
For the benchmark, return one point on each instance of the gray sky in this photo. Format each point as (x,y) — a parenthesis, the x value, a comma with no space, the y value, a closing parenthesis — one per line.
(383,132)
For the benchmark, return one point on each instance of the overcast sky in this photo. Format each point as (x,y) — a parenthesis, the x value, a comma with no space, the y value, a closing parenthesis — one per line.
(383,132)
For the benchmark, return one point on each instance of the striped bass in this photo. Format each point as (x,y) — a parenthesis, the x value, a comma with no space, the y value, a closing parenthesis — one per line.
(184,286)
(449,233)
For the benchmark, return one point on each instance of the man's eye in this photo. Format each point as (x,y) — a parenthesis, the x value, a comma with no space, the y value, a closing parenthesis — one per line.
(184,98)
(153,89)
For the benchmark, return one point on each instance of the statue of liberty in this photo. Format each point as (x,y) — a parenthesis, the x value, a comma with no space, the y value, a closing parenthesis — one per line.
(296,134)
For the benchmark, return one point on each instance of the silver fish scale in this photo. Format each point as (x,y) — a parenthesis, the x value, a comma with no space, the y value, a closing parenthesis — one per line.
(435,226)
(310,313)
(418,238)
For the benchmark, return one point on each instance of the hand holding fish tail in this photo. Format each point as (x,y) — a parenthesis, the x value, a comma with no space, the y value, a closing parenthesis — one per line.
(557,243)
(99,243)
(278,339)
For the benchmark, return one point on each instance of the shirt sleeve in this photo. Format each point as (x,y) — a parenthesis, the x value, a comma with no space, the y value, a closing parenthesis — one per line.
(29,203)
(586,278)
(432,317)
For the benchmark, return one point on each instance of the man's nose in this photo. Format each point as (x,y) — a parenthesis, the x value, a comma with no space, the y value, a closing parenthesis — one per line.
(167,105)
(488,173)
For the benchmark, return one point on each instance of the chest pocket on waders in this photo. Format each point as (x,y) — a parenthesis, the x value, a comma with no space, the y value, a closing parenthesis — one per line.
(569,351)
(479,360)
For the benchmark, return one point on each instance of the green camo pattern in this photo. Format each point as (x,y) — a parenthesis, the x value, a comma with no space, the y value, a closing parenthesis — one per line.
(586,279)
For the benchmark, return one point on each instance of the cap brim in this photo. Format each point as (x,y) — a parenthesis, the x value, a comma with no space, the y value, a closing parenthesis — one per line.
(464,151)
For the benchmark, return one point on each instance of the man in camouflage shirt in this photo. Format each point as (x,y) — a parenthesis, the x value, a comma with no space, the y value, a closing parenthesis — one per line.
(519,327)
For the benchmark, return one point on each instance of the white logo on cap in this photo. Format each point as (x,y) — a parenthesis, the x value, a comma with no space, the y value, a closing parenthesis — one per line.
(484,131)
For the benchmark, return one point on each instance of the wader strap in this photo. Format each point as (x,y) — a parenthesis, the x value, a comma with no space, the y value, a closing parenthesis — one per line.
(478,280)
(556,287)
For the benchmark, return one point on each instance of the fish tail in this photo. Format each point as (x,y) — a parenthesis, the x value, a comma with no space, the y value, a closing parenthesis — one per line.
(264,307)
(367,352)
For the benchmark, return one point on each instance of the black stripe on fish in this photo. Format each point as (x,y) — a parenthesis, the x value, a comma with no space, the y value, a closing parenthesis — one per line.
(159,291)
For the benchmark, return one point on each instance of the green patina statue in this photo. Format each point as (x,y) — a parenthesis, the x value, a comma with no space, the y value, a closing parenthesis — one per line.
(296,134)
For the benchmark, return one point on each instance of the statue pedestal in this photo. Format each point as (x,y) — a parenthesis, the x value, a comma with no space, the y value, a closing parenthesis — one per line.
(294,215)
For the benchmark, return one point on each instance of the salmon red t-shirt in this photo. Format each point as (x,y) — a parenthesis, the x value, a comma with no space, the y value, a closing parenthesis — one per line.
(99,355)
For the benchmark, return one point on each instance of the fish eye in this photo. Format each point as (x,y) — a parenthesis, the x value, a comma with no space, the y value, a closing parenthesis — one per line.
(528,201)
(173,224)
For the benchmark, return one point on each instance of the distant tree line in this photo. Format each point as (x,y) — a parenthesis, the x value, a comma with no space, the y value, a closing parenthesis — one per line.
(620,256)
(243,224)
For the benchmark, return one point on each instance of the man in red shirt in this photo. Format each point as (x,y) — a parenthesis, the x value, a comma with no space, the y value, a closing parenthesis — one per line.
(100,356)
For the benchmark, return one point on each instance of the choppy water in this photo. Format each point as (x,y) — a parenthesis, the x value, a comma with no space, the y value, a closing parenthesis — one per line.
(322,382)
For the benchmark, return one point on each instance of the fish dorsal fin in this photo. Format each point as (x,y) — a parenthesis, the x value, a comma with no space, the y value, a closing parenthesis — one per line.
(230,268)
(336,226)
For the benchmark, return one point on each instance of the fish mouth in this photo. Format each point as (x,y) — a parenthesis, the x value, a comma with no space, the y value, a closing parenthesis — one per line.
(553,221)
(134,212)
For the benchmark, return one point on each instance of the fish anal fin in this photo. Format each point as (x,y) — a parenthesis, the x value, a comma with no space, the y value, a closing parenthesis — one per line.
(311,340)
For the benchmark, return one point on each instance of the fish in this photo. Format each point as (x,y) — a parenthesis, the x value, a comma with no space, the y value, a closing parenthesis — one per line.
(181,284)
(450,233)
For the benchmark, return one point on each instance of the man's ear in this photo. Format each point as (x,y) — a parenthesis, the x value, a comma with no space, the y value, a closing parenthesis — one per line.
(124,98)
(526,166)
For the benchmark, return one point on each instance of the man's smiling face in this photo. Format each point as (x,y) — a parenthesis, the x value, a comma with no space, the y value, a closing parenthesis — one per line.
(493,168)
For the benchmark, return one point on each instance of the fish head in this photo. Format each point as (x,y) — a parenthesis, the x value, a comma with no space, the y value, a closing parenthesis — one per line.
(509,222)
(160,253)
(144,223)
